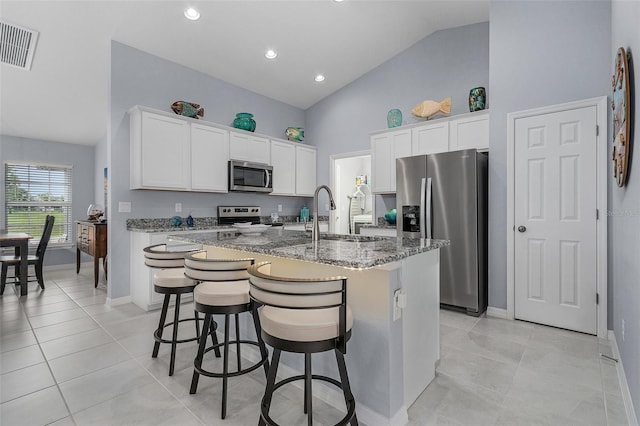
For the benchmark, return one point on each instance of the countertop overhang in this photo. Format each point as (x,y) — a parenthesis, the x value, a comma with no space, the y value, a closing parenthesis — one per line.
(349,251)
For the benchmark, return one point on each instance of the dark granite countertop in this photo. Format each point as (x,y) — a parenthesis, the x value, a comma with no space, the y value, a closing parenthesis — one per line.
(351,251)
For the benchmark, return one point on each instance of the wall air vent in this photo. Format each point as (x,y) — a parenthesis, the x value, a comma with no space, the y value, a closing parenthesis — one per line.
(17,45)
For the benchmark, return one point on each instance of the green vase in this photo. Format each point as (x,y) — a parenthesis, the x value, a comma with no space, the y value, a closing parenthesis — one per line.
(244,121)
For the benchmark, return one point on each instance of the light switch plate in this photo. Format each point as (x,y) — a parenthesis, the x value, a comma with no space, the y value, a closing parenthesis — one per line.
(178,207)
(124,207)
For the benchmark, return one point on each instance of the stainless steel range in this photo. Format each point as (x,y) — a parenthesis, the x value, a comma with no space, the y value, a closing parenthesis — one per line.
(228,215)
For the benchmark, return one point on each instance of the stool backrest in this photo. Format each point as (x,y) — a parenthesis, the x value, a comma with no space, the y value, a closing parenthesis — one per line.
(300,293)
(199,267)
(158,256)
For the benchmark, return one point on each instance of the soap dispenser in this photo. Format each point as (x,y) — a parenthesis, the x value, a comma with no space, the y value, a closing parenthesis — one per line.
(304,214)
(190,221)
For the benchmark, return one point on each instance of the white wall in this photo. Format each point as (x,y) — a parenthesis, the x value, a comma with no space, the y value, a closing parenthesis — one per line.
(624,207)
(541,53)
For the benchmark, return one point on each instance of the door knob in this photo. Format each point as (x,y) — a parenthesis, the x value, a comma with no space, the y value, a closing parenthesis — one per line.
(522,228)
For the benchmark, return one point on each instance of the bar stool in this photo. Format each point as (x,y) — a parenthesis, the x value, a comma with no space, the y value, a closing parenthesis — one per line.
(170,280)
(303,315)
(223,288)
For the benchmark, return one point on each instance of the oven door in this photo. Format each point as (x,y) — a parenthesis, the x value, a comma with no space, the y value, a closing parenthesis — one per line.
(251,177)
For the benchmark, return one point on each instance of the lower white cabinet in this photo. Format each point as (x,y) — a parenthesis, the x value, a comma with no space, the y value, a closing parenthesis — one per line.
(381,232)
(141,276)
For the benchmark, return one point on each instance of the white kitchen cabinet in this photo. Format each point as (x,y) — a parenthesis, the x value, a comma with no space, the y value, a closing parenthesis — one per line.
(470,132)
(305,170)
(385,148)
(248,147)
(430,138)
(159,151)
(283,157)
(209,158)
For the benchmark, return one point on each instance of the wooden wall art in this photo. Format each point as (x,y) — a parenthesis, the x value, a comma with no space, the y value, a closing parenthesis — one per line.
(621,117)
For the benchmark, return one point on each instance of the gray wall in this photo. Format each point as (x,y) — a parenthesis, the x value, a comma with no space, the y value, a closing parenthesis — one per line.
(541,53)
(138,78)
(81,157)
(446,63)
(100,161)
(624,222)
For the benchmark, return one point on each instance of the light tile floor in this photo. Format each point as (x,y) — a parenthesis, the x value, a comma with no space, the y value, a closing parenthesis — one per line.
(67,358)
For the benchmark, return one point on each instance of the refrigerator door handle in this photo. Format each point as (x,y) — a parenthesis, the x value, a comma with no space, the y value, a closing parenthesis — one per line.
(423,185)
(428,208)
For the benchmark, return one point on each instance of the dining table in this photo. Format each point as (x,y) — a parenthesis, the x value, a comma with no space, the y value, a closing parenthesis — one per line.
(20,241)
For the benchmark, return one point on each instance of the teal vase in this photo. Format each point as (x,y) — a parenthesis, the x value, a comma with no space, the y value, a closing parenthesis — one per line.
(244,121)
(394,118)
(477,99)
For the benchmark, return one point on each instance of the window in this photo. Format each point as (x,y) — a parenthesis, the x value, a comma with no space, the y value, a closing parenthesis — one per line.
(33,191)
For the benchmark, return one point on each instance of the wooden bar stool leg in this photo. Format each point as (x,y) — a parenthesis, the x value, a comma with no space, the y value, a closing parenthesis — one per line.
(225,368)
(268,392)
(163,318)
(176,319)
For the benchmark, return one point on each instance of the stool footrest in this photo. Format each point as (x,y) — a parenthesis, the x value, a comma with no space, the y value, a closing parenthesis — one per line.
(249,369)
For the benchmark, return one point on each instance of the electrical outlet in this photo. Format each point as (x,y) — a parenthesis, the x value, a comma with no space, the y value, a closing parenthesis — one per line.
(279,208)
(622,330)
(178,207)
(124,207)
(399,303)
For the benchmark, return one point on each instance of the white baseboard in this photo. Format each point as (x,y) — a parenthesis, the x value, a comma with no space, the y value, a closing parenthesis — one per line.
(331,394)
(118,301)
(622,378)
(496,312)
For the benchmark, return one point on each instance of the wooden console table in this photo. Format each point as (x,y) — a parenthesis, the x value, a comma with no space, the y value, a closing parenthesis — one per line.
(92,239)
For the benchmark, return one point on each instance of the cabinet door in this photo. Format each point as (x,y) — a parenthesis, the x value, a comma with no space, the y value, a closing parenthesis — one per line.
(209,158)
(305,170)
(385,148)
(249,148)
(470,132)
(164,152)
(283,157)
(380,164)
(430,139)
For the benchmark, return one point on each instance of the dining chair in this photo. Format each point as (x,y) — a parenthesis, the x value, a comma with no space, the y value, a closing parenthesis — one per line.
(37,260)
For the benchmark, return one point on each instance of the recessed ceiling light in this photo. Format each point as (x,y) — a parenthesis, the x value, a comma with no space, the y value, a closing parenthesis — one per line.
(270,54)
(319,78)
(192,14)
(338,1)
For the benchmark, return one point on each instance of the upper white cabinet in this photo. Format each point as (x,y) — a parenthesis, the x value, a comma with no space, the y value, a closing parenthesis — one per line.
(385,148)
(209,158)
(305,170)
(159,154)
(248,147)
(466,131)
(283,157)
(430,138)
(470,132)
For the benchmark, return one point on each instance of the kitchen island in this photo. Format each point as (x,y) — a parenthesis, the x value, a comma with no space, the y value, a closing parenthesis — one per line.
(393,351)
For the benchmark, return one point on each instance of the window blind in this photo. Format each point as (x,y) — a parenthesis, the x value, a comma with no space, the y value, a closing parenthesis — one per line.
(33,191)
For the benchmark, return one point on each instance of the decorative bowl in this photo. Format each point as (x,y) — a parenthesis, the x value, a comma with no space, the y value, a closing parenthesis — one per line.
(252,229)
(241,224)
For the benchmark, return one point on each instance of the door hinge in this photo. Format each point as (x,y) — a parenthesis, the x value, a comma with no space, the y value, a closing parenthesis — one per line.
(597,298)
(597,130)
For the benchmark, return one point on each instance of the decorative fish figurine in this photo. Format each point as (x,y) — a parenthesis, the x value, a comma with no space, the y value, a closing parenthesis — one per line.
(295,133)
(187,109)
(426,109)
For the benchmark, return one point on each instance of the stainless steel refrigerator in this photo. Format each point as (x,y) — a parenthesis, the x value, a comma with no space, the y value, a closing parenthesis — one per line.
(444,196)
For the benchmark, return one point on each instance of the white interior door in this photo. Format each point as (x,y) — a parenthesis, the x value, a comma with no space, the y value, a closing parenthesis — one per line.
(555,219)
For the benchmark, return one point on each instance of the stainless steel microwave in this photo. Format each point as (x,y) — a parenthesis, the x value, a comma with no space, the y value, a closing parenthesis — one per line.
(250,177)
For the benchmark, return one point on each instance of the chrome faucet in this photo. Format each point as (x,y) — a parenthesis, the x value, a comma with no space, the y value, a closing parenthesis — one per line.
(315,233)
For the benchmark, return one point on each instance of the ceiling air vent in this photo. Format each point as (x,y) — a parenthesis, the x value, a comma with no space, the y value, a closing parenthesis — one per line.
(17,45)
